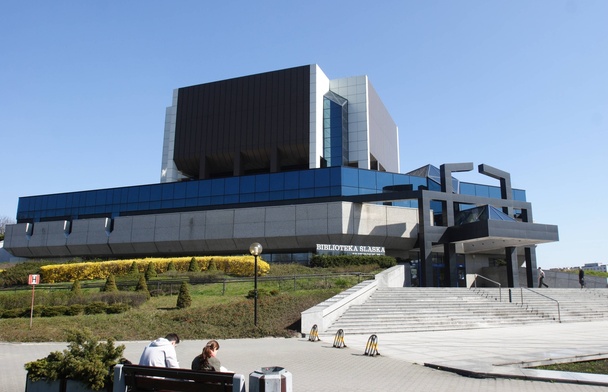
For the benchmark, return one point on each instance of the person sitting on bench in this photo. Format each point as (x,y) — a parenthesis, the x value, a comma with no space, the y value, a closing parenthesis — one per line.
(207,360)
(161,352)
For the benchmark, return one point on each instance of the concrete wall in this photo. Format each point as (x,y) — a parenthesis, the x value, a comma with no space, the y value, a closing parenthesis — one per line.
(325,313)
(4,255)
(292,228)
(393,277)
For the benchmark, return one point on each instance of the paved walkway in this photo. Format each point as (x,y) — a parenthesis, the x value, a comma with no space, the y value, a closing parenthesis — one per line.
(496,353)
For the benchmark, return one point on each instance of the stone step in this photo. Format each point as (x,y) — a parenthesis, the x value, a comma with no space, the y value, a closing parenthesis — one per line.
(424,309)
(420,327)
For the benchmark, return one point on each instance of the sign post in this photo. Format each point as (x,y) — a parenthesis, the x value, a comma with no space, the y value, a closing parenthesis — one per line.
(33,280)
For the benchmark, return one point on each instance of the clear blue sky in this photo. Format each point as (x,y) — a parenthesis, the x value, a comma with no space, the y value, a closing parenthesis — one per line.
(519,85)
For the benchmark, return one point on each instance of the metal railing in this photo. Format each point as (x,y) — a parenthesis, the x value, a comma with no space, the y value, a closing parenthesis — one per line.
(174,283)
(296,278)
(491,281)
(559,316)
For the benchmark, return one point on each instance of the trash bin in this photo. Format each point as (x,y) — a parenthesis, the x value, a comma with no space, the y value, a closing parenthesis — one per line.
(270,379)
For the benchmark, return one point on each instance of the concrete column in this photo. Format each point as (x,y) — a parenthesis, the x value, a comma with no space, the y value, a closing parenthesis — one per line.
(506,192)
(448,213)
(450,262)
(426,263)
(530,254)
(512,267)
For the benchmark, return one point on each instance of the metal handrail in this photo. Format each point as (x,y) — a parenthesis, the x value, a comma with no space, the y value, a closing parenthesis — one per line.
(559,316)
(491,281)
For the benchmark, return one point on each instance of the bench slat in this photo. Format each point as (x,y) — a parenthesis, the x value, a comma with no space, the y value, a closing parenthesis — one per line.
(145,383)
(146,378)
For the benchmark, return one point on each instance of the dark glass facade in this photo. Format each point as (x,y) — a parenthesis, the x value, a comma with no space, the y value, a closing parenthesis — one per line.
(261,189)
(252,124)
(335,130)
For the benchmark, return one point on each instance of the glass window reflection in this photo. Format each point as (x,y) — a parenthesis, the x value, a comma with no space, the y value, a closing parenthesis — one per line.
(324,182)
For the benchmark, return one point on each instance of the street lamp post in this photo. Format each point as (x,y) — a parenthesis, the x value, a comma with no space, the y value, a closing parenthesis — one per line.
(255,249)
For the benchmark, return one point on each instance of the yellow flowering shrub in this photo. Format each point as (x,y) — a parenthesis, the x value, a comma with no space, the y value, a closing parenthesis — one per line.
(230,265)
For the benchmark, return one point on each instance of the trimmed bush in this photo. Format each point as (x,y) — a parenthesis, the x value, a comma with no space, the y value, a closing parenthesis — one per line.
(14,313)
(328,261)
(233,265)
(110,285)
(75,310)
(76,290)
(52,311)
(19,299)
(117,308)
(37,311)
(193,266)
(18,274)
(184,300)
(142,286)
(95,308)
(134,270)
(212,266)
(130,298)
(151,271)
(85,360)
(206,277)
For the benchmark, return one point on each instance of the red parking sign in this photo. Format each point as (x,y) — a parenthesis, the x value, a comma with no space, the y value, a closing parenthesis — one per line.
(33,279)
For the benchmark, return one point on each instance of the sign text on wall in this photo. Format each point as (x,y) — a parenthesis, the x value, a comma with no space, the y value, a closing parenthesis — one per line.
(334,249)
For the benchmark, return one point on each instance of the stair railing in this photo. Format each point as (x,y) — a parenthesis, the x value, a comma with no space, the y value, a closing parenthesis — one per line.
(559,316)
(491,281)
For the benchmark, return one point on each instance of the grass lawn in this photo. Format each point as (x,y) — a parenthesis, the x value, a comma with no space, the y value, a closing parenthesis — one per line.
(217,311)
(596,367)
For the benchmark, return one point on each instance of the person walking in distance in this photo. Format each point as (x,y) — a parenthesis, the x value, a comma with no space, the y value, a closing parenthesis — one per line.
(581,277)
(541,278)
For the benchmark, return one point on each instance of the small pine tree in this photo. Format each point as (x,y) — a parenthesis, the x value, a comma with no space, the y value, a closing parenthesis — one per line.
(194,267)
(76,289)
(151,271)
(183,299)
(212,266)
(110,284)
(171,267)
(86,360)
(134,270)
(143,286)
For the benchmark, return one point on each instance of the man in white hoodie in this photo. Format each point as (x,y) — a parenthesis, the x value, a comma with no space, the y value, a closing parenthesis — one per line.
(161,352)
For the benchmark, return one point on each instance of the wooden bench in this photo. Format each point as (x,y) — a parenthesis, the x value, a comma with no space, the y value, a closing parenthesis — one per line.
(145,378)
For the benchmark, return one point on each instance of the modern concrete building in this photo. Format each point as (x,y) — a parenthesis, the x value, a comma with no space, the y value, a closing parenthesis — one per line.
(300,163)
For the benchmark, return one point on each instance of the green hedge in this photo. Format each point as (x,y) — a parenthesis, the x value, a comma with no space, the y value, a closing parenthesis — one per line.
(19,273)
(63,310)
(328,261)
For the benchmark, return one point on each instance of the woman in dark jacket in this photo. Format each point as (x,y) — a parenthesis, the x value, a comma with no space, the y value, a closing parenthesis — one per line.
(207,361)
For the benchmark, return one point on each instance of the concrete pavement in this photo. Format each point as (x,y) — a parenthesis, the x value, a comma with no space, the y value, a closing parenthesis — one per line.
(406,360)
(501,352)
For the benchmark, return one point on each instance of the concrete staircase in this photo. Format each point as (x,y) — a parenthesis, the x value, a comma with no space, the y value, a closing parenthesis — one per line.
(575,305)
(412,309)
